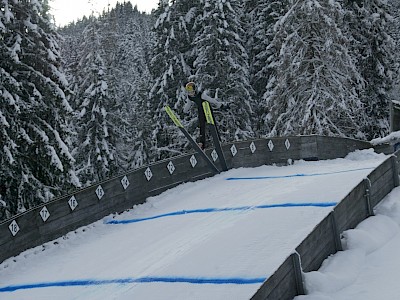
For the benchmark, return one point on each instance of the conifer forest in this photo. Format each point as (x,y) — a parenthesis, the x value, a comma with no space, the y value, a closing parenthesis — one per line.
(85,102)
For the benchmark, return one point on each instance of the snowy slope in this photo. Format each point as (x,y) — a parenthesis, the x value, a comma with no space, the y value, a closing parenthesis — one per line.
(218,238)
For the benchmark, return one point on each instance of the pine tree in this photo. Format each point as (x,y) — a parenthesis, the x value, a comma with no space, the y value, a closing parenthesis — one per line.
(221,64)
(124,45)
(262,16)
(133,81)
(261,23)
(10,92)
(313,88)
(395,33)
(36,162)
(170,68)
(395,12)
(95,153)
(374,51)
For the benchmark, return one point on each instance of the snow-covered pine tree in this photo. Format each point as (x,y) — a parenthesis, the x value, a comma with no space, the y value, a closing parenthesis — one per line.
(313,90)
(95,152)
(221,64)
(126,40)
(170,68)
(395,33)
(110,36)
(395,12)
(10,92)
(36,162)
(262,16)
(70,44)
(133,84)
(374,50)
(261,22)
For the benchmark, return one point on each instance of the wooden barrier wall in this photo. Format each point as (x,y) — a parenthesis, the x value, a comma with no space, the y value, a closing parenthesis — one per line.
(324,240)
(65,214)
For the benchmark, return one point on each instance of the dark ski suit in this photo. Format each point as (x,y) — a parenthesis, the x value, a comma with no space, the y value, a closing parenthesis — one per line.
(198,99)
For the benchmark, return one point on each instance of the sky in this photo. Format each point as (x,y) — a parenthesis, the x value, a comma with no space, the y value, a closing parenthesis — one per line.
(66,11)
(219,238)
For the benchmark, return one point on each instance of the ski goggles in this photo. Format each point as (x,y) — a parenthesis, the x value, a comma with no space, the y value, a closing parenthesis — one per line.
(190,91)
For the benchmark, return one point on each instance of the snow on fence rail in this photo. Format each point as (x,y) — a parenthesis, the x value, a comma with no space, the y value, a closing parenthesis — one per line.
(324,240)
(62,215)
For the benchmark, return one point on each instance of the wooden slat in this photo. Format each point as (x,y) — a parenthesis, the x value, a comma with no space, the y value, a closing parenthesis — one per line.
(352,209)
(317,245)
(281,285)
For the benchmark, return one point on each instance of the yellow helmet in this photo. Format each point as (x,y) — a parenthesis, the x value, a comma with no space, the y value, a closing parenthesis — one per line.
(190,88)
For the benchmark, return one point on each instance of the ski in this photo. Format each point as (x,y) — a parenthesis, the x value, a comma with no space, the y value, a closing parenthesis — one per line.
(178,123)
(214,134)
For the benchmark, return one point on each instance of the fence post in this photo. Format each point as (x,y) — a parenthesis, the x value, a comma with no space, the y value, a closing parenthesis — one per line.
(298,273)
(395,168)
(367,183)
(336,235)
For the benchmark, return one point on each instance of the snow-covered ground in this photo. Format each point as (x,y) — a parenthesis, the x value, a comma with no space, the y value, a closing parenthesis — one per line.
(217,238)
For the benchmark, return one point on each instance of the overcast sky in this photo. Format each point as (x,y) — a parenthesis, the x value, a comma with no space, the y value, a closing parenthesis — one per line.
(66,11)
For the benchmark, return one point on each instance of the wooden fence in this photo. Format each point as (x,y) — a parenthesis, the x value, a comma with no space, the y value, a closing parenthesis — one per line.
(324,240)
(62,215)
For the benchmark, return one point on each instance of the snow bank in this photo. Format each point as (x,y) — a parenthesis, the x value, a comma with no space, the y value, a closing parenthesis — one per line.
(366,154)
(369,264)
(392,138)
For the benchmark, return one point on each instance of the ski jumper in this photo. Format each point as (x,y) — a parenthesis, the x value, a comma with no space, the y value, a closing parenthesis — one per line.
(198,99)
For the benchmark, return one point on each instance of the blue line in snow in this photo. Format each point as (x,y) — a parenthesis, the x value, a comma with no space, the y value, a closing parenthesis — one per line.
(192,280)
(296,175)
(210,210)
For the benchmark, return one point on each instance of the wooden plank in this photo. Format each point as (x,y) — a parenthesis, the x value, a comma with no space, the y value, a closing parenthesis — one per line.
(382,187)
(396,169)
(352,209)
(5,234)
(309,148)
(27,237)
(381,169)
(245,158)
(86,197)
(319,244)
(183,171)
(226,149)
(280,154)
(334,147)
(382,181)
(397,155)
(263,155)
(316,259)
(281,285)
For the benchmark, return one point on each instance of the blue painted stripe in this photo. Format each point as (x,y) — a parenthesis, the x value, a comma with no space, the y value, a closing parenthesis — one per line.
(87,282)
(211,210)
(296,175)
